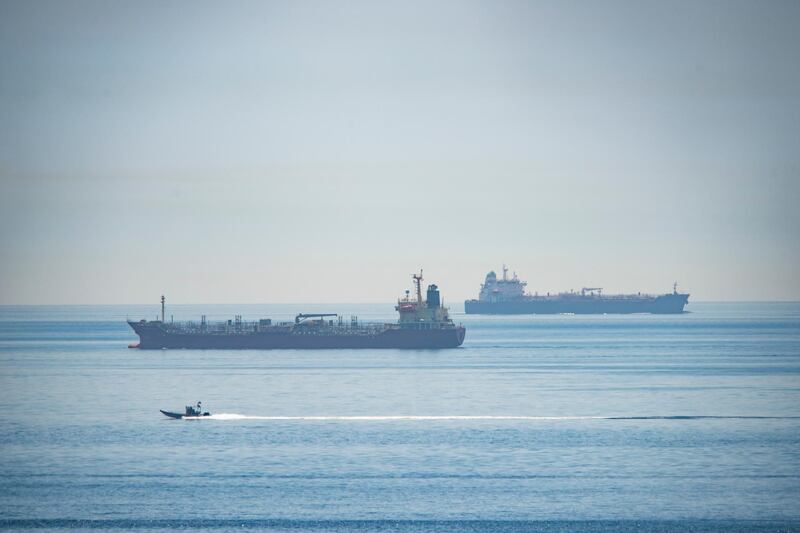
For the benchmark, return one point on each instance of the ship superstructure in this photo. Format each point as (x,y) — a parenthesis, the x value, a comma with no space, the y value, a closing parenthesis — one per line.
(422,323)
(507,296)
(503,289)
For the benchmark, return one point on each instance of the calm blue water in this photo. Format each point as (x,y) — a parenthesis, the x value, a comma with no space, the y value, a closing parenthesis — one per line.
(83,443)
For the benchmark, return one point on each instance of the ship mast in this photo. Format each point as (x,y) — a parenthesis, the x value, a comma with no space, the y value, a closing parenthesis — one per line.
(162,308)
(505,273)
(418,283)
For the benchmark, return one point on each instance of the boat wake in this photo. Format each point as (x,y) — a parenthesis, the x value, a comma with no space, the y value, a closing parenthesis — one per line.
(437,418)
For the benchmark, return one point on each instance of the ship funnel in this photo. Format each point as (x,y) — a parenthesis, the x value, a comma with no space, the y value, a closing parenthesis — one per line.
(433,297)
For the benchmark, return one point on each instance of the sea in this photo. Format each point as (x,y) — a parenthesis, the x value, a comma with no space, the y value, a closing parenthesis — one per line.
(537,423)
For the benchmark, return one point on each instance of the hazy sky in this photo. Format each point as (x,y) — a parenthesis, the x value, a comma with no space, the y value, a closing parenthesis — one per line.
(323,151)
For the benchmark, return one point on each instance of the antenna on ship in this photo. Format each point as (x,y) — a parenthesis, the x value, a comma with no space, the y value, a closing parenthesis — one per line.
(675,288)
(418,283)
(162,308)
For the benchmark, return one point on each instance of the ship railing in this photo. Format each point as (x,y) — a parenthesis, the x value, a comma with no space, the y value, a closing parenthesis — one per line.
(612,296)
(344,330)
(249,327)
(221,327)
(596,296)
(426,325)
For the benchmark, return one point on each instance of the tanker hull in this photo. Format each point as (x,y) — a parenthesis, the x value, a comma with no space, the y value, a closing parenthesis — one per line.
(507,296)
(422,324)
(153,335)
(580,305)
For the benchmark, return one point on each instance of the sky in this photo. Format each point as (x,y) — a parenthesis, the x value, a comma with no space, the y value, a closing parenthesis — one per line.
(318,151)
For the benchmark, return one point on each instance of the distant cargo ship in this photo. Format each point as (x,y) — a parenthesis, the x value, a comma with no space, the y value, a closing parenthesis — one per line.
(423,324)
(507,297)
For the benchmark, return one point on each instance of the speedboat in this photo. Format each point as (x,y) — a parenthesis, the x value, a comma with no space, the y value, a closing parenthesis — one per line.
(190,412)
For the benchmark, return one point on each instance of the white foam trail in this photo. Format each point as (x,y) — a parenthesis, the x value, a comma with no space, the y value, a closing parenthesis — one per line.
(378,418)
(366,418)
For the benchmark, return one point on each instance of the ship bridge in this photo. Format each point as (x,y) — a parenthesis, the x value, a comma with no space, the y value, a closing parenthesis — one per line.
(419,311)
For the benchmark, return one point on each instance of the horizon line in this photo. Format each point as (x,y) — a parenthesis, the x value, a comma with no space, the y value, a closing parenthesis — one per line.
(320,303)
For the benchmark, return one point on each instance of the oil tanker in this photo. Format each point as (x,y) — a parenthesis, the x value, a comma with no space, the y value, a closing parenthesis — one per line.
(422,324)
(507,296)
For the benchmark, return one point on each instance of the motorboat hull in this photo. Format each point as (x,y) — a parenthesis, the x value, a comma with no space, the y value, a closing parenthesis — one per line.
(182,415)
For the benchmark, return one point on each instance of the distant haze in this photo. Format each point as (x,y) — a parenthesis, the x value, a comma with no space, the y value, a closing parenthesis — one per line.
(319,151)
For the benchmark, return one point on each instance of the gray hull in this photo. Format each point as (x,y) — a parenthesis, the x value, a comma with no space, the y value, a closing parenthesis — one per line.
(153,335)
(580,305)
